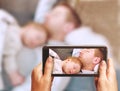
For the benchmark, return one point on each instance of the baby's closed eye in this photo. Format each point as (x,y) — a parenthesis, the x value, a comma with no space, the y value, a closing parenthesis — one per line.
(74,67)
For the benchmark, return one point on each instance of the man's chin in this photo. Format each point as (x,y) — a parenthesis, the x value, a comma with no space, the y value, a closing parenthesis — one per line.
(45,23)
(29,45)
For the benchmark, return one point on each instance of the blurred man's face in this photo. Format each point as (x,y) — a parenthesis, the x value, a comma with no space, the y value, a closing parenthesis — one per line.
(71,67)
(56,19)
(34,38)
(87,56)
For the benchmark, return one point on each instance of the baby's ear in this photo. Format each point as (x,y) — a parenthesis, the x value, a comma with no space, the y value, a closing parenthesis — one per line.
(96,60)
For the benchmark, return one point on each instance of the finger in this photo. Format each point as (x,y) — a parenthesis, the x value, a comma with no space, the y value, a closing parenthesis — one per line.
(102,70)
(48,67)
(111,69)
(96,81)
(37,72)
(52,78)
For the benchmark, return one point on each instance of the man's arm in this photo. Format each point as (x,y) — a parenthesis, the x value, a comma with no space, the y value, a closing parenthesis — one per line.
(44,6)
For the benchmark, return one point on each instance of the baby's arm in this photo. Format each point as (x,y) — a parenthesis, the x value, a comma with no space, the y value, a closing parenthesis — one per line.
(12,70)
(11,49)
(7,17)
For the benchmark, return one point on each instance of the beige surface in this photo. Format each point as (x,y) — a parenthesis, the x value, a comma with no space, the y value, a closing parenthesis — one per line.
(104,18)
(23,10)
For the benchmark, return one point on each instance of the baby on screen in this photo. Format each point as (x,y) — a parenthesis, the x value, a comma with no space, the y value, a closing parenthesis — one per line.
(71,65)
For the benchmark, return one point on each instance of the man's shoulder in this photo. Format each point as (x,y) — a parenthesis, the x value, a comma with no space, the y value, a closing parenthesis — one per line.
(56,43)
(85,36)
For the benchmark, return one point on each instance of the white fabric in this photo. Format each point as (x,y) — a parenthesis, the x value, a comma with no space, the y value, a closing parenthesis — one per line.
(54,54)
(1,83)
(27,60)
(26,86)
(2,37)
(84,36)
(87,72)
(5,20)
(57,69)
(44,6)
(12,46)
(96,68)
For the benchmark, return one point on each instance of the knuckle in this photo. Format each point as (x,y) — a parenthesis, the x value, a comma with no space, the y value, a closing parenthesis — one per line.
(46,80)
(33,74)
(34,71)
(103,79)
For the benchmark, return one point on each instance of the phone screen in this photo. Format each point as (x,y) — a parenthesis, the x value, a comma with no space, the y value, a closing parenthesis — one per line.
(75,60)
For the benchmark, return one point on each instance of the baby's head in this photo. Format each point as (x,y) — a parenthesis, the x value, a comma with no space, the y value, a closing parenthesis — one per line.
(71,65)
(34,35)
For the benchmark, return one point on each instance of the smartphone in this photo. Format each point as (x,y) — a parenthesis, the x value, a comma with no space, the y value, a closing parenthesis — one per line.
(75,60)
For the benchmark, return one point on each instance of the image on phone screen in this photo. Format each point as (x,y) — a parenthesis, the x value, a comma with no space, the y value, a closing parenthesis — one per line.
(75,60)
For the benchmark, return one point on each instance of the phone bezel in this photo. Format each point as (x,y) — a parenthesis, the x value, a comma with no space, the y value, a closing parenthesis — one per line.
(45,54)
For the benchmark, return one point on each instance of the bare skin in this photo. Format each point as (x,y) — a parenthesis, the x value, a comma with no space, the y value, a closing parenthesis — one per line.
(107,80)
(42,82)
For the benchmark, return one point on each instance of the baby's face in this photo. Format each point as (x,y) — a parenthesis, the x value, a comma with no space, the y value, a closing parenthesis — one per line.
(71,67)
(34,38)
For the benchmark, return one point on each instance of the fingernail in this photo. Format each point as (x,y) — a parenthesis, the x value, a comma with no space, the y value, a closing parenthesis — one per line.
(50,59)
(103,63)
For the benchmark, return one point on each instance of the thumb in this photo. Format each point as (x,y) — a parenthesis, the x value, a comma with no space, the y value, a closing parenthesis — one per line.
(48,67)
(102,70)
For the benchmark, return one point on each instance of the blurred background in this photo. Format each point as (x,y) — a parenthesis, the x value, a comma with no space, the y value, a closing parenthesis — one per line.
(102,15)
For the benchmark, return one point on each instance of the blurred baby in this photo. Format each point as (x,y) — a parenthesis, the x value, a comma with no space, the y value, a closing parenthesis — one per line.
(34,35)
(31,35)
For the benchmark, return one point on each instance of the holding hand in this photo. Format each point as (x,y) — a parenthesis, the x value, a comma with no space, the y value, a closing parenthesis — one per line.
(107,80)
(40,81)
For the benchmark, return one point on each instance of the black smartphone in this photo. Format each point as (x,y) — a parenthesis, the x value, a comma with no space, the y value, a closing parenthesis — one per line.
(75,60)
